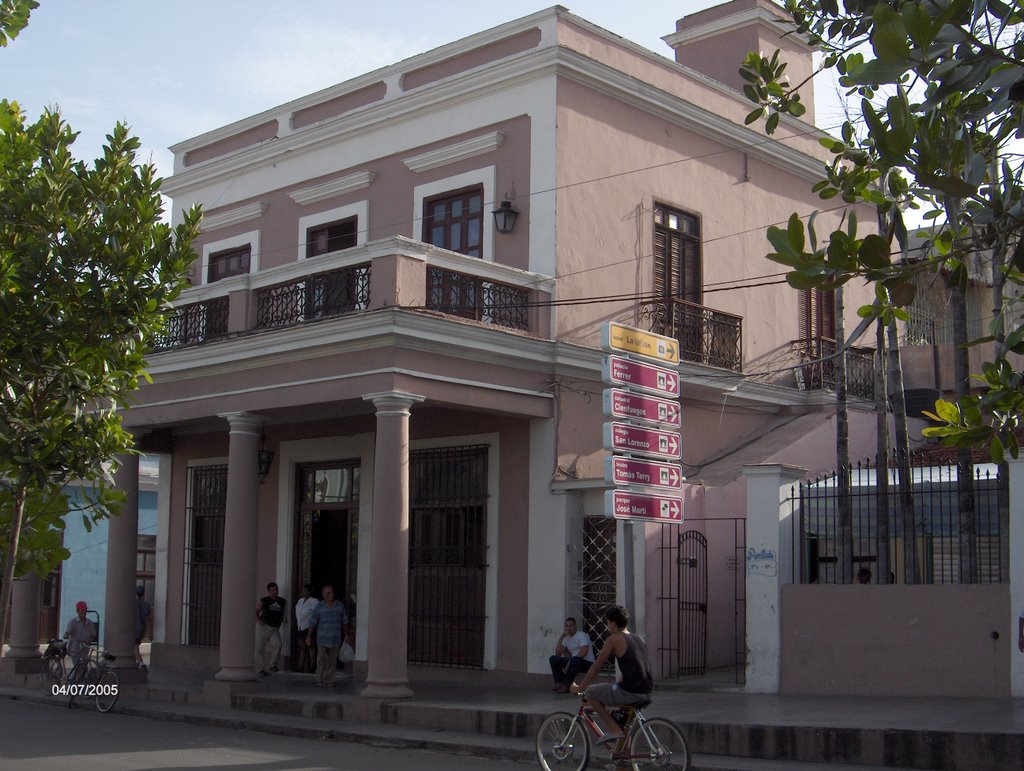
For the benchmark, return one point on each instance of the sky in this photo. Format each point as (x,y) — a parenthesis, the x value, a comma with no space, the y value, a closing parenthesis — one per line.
(173,69)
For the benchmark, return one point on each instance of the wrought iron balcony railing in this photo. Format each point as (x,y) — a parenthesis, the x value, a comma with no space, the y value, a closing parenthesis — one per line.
(474,298)
(705,336)
(313,297)
(820,370)
(194,323)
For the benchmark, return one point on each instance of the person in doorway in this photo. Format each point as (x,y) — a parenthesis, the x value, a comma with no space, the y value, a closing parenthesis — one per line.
(80,632)
(863,576)
(330,624)
(636,683)
(573,654)
(141,621)
(269,617)
(304,607)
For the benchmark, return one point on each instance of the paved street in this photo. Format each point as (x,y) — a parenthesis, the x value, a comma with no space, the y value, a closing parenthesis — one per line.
(38,737)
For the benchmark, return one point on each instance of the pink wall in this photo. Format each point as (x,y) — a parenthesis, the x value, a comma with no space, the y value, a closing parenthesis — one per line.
(950,640)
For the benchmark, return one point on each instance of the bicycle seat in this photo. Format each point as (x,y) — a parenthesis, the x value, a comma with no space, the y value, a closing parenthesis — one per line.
(109,656)
(641,704)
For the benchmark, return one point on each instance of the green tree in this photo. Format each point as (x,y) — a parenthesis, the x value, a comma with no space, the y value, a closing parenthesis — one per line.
(939,84)
(87,272)
(13,18)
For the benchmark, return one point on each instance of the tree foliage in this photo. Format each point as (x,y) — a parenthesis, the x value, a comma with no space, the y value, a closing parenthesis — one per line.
(937,85)
(14,17)
(87,272)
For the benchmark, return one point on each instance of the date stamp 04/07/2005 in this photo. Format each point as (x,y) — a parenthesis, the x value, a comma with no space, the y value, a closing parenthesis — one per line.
(85,690)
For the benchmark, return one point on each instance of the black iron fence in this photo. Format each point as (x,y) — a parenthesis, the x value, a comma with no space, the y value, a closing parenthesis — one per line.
(313,297)
(946,530)
(472,297)
(194,323)
(705,336)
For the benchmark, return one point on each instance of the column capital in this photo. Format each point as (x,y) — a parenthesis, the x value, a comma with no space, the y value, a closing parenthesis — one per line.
(243,422)
(393,402)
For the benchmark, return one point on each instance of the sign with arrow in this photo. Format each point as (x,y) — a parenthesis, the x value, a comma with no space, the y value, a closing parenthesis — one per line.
(619,337)
(623,404)
(621,437)
(618,371)
(629,505)
(646,473)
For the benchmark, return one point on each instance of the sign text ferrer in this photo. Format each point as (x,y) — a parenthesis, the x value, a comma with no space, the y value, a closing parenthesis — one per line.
(622,404)
(645,377)
(626,505)
(619,437)
(647,473)
(622,338)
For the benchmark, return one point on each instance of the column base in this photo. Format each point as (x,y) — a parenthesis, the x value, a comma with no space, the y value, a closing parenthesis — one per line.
(379,690)
(23,652)
(236,674)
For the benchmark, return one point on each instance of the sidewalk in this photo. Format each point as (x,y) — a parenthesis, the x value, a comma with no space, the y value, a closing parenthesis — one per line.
(726,730)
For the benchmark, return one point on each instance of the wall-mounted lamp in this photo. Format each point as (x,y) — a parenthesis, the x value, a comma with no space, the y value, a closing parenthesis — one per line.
(505,217)
(264,459)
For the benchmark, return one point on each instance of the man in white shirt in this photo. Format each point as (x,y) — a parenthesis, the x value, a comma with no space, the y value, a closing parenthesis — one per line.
(303,613)
(573,654)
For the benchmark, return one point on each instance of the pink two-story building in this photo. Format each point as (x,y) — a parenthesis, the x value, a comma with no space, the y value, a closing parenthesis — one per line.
(372,384)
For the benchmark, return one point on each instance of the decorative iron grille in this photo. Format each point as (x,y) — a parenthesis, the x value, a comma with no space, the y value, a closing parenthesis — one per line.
(927,544)
(447,556)
(705,336)
(820,371)
(473,298)
(194,323)
(314,297)
(595,590)
(204,555)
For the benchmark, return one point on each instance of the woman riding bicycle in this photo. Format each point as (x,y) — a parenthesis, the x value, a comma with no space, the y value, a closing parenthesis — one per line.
(636,683)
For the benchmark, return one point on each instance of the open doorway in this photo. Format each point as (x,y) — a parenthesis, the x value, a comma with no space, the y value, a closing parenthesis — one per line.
(328,534)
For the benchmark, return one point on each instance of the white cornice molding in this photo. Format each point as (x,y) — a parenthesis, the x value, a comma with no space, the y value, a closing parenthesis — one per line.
(533,65)
(234,216)
(733,22)
(442,156)
(333,188)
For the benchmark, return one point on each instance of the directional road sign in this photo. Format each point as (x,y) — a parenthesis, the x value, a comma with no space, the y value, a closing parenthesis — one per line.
(618,337)
(620,437)
(645,377)
(646,473)
(622,504)
(623,404)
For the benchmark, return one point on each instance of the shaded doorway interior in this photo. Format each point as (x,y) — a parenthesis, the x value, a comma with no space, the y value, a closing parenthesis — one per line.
(328,538)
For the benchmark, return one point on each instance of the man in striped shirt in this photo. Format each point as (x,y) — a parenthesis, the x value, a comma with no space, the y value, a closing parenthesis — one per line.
(330,621)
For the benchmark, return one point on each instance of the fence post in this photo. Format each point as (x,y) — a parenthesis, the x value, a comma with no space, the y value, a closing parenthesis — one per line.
(769,565)
(1016,536)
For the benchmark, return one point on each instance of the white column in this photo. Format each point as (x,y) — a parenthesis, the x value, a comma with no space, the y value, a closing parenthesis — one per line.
(1016,536)
(238,584)
(769,565)
(387,672)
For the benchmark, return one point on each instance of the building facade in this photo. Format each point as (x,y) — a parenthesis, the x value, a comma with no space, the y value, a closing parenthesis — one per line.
(430,386)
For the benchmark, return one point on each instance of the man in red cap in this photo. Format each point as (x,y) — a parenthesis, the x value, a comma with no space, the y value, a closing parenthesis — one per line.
(80,632)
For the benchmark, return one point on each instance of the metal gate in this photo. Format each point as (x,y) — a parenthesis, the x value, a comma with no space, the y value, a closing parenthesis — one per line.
(447,556)
(204,556)
(693,603)
(595,589)
(684,598)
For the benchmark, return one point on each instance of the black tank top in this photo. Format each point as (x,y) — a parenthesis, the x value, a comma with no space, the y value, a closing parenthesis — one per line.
(635,666)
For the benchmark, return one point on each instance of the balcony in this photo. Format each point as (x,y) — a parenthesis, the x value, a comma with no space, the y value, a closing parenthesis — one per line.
(394,272)
(705,336)
(819,373)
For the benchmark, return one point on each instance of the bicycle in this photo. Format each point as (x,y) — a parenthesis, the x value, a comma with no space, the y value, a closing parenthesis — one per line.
(564,740)
(90,677)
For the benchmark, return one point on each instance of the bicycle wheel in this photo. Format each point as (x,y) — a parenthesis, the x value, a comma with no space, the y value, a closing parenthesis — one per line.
(53,669)
(562,743)
(106,690)
(658,744)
